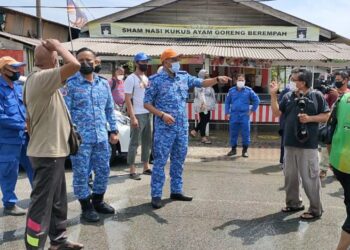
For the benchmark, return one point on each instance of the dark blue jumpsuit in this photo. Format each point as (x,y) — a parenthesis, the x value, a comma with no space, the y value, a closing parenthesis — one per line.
(238,104)
(13,140)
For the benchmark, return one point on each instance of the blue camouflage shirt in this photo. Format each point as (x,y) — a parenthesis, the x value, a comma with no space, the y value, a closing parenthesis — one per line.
(169,94)
(12,113)
(239,101)
(91,106)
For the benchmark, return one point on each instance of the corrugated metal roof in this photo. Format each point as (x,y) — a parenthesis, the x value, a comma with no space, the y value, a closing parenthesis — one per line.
(291,54)
(266,50)
(21,39)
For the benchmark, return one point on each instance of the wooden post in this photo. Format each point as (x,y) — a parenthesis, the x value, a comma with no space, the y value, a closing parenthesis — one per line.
(40,21)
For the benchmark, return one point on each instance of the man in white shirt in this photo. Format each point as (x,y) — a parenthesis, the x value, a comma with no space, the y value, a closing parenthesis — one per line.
(135,85)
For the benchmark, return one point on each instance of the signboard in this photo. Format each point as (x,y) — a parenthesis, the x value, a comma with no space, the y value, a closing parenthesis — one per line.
(148,30)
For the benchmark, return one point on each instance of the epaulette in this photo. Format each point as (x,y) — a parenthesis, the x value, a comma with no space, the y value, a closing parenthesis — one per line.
(102,77)
(153,76)
(232,88)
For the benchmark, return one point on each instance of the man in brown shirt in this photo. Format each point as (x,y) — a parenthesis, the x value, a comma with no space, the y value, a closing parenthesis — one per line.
(48,147)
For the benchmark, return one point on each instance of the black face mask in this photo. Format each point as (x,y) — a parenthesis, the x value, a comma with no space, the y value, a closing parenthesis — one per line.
(339,84)
(143,67)
(86,68)
(98,68)
(15,76)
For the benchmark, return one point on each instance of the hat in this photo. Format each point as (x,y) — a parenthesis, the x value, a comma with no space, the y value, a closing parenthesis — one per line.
(7,60)
(169,53)
(202,73)
(141,57)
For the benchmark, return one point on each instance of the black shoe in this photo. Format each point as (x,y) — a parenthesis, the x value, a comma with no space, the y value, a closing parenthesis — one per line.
(233,152)
(100,206)
(180,197)
(156,202)
(245,152)
(90,215)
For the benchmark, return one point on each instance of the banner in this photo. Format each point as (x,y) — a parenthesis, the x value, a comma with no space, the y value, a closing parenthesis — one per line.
(148,30)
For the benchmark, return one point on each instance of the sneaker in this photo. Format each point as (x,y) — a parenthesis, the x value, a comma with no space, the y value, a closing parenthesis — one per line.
(135,176)
(14,211)
(233,152)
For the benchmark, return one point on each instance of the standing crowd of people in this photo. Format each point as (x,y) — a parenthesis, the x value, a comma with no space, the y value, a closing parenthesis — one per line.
(37,122)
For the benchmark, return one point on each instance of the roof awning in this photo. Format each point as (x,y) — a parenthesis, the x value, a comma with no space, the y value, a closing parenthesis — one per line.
(261,50)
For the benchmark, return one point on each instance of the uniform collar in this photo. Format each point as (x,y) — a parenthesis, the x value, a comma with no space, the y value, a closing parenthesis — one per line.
(83,80)
(4,83)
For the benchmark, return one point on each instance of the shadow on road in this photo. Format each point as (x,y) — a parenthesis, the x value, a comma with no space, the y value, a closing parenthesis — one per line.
(267,170)
(250,231)
(143,209)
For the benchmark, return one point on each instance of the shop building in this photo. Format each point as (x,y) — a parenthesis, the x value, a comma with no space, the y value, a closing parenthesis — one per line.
(226,37)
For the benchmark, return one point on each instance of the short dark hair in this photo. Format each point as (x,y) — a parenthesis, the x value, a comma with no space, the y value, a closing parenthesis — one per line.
(342,74)
(241,75)
(85,49)
(304,75)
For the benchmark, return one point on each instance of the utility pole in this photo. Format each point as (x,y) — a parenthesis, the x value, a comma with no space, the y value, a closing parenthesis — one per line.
(40,21)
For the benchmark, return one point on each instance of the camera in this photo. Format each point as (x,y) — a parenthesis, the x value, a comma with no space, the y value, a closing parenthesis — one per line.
(302,132)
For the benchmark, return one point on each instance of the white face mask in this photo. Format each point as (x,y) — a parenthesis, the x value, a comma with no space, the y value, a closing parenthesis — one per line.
(240,84)
(120,77)
(292,86)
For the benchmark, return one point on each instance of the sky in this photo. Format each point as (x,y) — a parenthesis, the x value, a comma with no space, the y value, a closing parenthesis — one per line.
(333,15)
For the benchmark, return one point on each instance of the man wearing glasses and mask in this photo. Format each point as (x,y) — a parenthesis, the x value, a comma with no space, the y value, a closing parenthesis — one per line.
(303,109)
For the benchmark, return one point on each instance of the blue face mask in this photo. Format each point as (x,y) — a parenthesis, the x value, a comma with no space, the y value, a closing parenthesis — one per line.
(175,67)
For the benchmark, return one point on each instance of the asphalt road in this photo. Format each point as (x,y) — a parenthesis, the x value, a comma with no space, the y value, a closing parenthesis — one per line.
(236,205)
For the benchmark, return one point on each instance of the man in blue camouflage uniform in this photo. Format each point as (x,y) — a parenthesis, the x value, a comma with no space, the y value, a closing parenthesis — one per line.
(91,106)
(166,99)
(13,135)
(241,102)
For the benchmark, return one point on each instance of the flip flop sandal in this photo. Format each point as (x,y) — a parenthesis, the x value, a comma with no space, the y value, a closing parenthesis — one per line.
(206,142)
(135,176)
(310,216)
(292,209)
(147,172)
(193,135)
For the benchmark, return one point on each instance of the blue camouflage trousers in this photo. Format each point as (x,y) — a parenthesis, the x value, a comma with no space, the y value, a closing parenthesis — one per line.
(91,157)
(173,141)
(11,155)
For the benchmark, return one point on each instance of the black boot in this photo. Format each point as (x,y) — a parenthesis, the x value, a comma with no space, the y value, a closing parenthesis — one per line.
(156,202)
(245,152)
(233,152)
(88,212)
(101,206)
